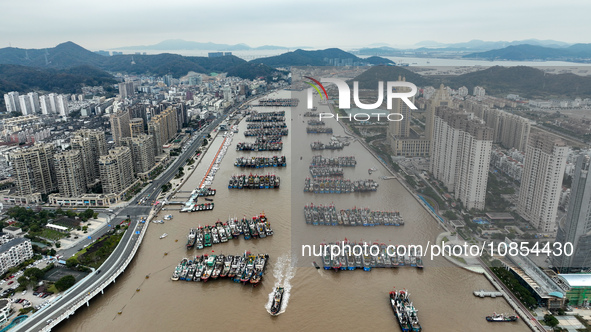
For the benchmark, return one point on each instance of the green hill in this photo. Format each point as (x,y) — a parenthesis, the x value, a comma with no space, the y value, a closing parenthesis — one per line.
(25,79)
(251,71)
(576,52)
(369,78)
(316,58)
(526,81)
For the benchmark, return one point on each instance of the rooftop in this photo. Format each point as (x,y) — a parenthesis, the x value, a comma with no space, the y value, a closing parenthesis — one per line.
(6,246)
(499,216)
(577,279)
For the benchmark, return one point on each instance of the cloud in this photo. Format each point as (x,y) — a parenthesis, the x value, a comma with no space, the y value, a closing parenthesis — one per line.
(110,23)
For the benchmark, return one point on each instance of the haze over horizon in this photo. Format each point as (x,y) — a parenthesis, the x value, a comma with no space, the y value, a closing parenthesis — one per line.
(113,24)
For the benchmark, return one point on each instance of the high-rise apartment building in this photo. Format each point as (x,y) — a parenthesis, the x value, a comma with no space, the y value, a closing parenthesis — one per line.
(34,100)
(116,169)
(11,100)
(460,155)
(92,145)
(511,131)
(163,127)
(53,103)
(62,105)
(543,170)
(142,152)
(45,105)
(70,171)
(120,126)
(34,169)
(136,127)
(126,89)
(25,105)
(401,129)
(576,227)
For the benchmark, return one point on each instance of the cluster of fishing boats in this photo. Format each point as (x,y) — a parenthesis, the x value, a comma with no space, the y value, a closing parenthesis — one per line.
(338,186)
(260,162)
(268,139)
(319,160)
(319,130)
(328,216)
(278,116)
(315,122)
(215,165)
(279,102)
(311,115)
(204,192)
(405,312)
(245,268)
(191,205)
(347,260)
(254,181)
(266,125)
(197,207)
(326,171)
(257,132)
(272,146)
(332,145)
(222,232)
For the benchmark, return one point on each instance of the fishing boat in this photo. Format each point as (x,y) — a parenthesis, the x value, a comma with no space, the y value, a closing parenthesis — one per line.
(501,318)
(163,236)
(404,310)
(277,299)
(191,238)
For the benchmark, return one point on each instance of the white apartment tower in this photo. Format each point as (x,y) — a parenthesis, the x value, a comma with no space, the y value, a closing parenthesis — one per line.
(460,155)
(543,170)
(12,102)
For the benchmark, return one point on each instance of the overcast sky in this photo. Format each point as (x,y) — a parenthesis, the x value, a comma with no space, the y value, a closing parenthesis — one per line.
(108,24)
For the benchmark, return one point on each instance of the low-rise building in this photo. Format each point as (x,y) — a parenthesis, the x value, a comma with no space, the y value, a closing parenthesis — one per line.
(13,232)
(14,252)
(5,309)
(57,228)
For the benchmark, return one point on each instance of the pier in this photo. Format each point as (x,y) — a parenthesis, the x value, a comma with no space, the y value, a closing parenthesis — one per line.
(482,293)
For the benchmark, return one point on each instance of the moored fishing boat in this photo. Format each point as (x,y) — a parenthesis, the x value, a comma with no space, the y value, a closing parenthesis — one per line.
(504,318)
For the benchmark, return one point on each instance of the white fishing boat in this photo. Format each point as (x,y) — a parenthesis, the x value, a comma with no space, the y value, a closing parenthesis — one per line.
(163,236)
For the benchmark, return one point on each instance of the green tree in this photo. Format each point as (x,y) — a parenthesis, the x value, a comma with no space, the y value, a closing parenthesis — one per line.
(34,272)
(71,262)
(65,282)
(550,320)
(24,281)
(58,244)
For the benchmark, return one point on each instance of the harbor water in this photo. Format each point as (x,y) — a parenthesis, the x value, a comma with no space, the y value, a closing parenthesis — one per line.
(315,300)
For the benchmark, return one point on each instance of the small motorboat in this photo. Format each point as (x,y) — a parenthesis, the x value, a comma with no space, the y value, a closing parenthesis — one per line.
(163,236)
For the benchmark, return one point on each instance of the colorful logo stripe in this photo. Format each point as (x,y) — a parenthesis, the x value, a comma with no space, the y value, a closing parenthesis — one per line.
(319,84)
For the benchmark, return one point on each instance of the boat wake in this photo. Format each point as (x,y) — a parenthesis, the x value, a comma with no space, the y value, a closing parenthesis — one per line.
(283,272)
